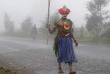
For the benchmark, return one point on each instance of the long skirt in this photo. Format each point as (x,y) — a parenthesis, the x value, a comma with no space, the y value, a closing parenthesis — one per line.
(65,50)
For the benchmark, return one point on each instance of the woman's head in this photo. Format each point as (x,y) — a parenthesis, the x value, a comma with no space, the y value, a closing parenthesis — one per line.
(64,11)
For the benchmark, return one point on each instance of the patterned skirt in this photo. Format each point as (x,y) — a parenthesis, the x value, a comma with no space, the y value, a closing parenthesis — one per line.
(65,50)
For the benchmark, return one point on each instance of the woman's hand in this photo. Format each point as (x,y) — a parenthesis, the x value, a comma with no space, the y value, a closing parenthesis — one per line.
(76,43)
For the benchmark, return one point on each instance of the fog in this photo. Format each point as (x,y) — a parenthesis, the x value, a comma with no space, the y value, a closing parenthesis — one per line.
(23,36)
(18,10)
(35,12)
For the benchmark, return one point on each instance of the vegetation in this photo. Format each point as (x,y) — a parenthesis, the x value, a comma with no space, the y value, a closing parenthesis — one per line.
(9,25)
(97,18)
(4,70)
(97,27)
(26,27)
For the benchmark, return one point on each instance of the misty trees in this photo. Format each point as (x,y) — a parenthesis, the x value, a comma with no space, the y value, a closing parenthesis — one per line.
(26,26)
(107,32)
(98,16)
(81,30)
(93,25)
(25,30)
(8,24)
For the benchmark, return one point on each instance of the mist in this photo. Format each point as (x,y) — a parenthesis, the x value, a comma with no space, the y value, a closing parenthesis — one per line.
(37,9)
(27,46)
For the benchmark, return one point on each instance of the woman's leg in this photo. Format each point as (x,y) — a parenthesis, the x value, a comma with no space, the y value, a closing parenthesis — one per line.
(60,68)
(70,68)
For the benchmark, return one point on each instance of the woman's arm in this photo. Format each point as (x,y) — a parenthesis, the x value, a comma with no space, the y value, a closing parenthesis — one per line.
(71,33)
(76,43)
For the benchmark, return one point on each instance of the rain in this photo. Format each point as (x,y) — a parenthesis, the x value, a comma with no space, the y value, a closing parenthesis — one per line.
(27,47)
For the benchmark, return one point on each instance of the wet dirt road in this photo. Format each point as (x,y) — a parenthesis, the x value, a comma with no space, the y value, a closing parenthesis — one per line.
(36,57)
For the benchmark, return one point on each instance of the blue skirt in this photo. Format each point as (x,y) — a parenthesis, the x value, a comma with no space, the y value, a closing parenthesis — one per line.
(65,50)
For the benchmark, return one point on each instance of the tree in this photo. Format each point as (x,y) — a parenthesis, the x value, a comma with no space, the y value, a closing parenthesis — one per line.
(97,17)
(27,26)
(92,24)
(81,30)
(8,24)
(107,32)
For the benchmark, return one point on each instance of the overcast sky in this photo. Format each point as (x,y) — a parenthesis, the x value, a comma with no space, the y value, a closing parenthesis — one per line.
(18,10)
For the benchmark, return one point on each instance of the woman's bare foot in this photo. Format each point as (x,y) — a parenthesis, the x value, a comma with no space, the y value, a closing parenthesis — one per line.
(60,70)
(72,72)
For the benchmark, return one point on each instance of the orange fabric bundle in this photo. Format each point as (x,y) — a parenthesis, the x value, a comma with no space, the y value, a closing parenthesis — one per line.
(61,10)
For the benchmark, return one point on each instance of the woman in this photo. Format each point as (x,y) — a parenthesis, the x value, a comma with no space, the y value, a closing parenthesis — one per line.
(63,45)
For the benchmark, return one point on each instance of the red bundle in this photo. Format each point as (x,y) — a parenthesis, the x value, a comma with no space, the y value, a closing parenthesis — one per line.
(61,10)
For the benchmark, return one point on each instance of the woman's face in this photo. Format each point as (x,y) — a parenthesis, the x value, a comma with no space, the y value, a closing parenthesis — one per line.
(64,15)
